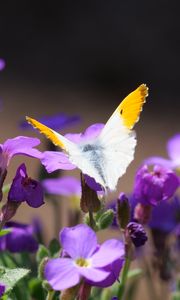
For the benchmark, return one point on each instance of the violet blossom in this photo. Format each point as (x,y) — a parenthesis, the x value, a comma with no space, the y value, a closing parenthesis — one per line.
(20,145)
(65,186)
(84,259)
(152,187)
(23,188)
(21,238)
(173,150)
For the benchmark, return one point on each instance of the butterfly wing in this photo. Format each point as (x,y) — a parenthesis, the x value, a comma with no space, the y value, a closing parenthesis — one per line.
(117,138)
(56,138)
(75,152)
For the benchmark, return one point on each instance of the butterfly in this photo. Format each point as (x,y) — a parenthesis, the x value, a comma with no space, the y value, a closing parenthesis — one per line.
(106,157)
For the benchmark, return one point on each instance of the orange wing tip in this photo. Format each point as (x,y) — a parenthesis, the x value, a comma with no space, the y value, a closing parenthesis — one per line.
(49,133)
(144,90)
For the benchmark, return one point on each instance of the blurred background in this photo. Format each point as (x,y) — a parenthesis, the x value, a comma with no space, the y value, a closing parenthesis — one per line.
(84,57)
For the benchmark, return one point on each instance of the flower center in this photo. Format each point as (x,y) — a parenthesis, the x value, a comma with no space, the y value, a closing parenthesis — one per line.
(81,262)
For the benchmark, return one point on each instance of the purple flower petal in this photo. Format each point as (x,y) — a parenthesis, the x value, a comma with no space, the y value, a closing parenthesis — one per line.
(22,145)
(26,189)
(109,251)
(53,161)
(90,133)
(157,160)
(78,241)
(93,274)
(114,270)
(65,186)
(93,184)
(61,273)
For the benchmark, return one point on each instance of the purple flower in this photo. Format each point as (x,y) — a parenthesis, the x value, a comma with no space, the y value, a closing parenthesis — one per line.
(2,289)
(153,187)
(56,122)
(53,160)
(23,188)
(20,239)
(65,186)
(20,145)
(86,258)
(137,234)
(166,215)
(173,150)
(2,64)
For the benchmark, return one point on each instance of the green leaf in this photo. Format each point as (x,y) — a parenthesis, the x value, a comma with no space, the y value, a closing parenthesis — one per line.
(54,247)
(35,288)
(106,219)
(9,277)
(134,273)
(42,253)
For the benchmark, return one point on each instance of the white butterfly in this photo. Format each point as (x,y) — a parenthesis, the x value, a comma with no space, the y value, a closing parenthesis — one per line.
(106,157)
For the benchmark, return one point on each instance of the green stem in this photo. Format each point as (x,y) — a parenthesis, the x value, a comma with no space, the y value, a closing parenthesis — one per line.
(123,278)
(91,220)
(50,295)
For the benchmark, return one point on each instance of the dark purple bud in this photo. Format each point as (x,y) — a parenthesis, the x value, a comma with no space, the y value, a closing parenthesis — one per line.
(123,211)
(137,234)
(24,188)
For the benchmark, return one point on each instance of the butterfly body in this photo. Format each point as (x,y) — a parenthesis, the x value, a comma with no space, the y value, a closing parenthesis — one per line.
(106,157)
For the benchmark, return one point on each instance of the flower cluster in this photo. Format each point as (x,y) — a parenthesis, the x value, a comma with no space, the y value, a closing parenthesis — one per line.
(78,266)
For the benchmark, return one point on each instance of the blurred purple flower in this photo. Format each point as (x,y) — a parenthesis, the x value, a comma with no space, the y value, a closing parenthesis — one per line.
(53,160)
(137,234)
(2,289)
(20,145)
(173,150)
(23,188)
(153,187)
(20,239)
(86,260)
(166,215)
(68,186)
(56,122)
(65,186)
(2,64)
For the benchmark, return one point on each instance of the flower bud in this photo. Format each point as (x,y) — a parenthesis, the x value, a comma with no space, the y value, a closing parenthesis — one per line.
(137,234)
(123,211)
(89,199)
(106,219)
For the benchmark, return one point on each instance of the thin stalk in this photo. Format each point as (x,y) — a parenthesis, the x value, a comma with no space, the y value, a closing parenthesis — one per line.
(91,219)
(50,295)
(123,279)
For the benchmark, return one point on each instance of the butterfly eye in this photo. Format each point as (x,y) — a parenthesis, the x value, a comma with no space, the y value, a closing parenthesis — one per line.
(121,111)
